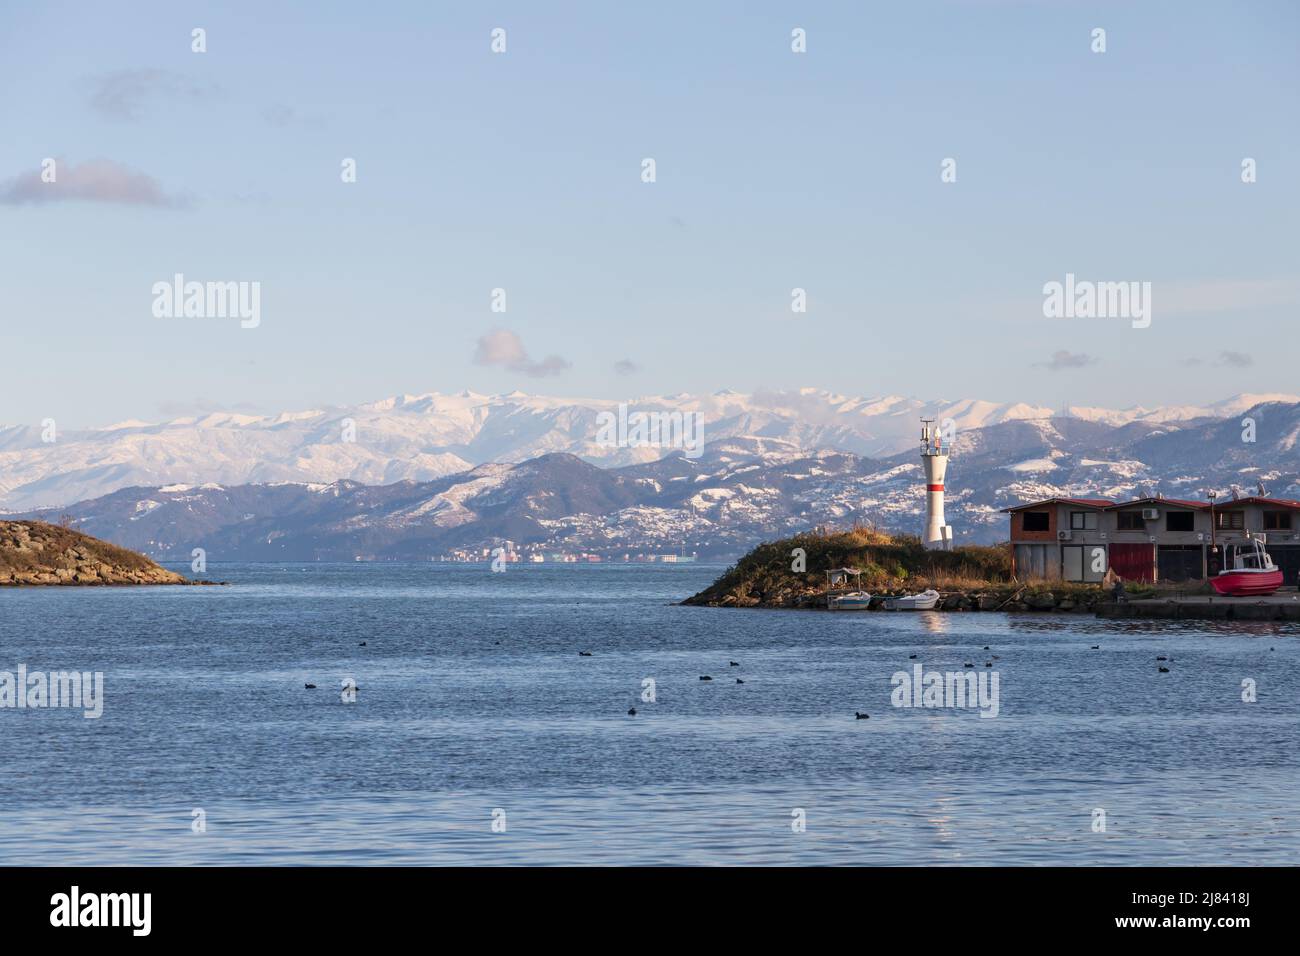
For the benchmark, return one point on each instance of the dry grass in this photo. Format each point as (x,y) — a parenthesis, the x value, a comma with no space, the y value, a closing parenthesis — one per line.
(48,547)
(887,562)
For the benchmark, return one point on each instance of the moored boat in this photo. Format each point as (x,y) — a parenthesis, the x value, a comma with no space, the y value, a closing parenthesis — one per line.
(925,601)
(854,599)
(851,601)
(1248,570)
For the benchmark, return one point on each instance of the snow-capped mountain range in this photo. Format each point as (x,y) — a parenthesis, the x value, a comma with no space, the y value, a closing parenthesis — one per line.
(425,437)
(740,491)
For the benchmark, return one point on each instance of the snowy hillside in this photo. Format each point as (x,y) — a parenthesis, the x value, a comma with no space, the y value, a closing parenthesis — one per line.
(738,492)
(424,437)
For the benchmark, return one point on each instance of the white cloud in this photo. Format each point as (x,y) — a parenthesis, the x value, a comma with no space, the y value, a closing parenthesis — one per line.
(122,95)
(505,348)
(96,180)
(1064,359)
(1235,359)
(1224,295)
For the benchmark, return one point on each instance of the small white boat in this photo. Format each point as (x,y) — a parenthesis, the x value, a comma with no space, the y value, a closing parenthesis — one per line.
(925,601)
(851,601)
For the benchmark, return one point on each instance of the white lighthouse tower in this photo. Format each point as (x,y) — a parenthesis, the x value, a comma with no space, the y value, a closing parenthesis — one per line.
(934,458)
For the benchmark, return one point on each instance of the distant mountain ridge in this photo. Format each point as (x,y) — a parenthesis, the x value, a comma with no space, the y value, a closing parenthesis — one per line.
(429,436)
(739,492)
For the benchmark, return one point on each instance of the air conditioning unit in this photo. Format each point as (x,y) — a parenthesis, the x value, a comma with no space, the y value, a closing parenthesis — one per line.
(1150,514)
(1200,536)
(1064,535)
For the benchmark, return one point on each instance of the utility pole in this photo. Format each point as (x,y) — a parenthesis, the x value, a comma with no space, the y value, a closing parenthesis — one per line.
(1214,548)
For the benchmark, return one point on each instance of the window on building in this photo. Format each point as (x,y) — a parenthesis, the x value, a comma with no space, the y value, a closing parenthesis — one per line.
(1131,521)
(1083,520)
(1230,520)
(1277,521)
(1036,521)
(1180,521)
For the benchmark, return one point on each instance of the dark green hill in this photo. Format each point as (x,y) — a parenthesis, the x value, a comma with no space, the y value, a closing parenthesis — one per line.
(767,577)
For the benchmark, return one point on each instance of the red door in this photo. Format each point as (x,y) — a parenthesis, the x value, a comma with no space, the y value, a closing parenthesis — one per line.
(1133,562)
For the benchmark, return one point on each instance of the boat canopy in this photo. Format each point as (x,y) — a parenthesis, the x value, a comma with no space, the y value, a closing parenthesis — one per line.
(838,576)
(1249,556)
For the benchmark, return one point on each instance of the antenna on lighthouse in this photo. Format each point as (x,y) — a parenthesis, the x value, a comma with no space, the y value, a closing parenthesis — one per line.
(926,447)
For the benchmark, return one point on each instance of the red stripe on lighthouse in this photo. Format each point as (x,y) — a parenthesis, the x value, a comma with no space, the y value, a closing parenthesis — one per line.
(934,487)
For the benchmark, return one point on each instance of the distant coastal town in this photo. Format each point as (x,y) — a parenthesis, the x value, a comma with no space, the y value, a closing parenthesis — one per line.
(509,553)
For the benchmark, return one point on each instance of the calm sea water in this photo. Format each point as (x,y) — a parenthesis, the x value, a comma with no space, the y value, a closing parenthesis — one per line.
(473,699)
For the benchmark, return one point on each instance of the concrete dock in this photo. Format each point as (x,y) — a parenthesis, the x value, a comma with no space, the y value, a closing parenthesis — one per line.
(1283,605)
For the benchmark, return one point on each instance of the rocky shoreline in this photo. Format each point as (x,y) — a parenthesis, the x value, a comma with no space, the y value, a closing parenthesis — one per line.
(994,598)
(33,553)
(1138,601)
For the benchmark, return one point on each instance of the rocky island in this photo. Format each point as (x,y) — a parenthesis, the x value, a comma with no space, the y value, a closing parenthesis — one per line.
(791,573)
(34,553)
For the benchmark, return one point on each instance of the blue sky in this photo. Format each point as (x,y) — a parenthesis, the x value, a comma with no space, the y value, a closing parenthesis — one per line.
(522,171)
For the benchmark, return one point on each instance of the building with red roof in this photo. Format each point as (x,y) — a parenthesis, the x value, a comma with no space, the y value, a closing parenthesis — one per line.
(1148,539)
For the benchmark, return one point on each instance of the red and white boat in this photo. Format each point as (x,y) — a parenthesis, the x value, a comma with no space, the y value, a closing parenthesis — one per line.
(1248,570)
